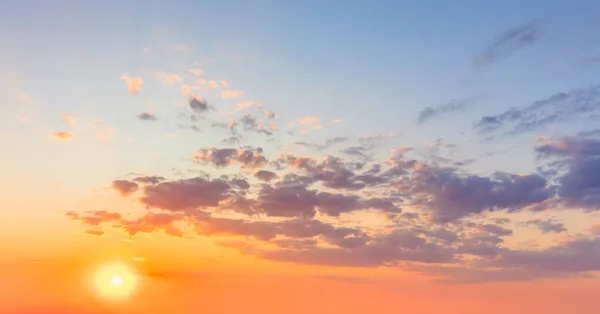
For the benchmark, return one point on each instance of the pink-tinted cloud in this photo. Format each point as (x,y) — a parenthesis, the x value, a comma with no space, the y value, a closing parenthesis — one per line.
(134,83)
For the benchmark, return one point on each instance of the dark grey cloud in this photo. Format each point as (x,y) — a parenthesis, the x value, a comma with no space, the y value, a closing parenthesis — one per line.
(198,105)
(562,107)
(147,116)
(509,42)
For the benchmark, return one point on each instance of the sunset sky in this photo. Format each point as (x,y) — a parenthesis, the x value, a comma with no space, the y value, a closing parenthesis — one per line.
(263,156)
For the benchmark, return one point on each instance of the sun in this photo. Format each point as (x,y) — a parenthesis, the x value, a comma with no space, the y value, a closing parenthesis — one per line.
(115,281)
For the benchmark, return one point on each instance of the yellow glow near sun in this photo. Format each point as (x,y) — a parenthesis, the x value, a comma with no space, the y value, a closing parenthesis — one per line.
(115,281)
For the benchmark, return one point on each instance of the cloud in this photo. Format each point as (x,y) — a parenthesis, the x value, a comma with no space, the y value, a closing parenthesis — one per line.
(248,157)
(270,114)
(265,175)
(577,170)
(134,83)
(308,120)
(509,42)
(148,179)
(186,194)
(147,223)
(231,94)
(198,104)
(147,116)
(196,72)
(169,78)
(62,136)
(97,233)
(547,226)
(562,107)
(449,195)
(336,120)
(429,113)
(242,105)
(125,187)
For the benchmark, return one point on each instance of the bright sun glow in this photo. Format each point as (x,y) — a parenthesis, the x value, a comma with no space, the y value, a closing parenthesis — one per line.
(115,281)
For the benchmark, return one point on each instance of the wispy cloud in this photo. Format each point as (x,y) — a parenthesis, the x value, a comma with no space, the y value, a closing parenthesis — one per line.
(509,42)
(308,120)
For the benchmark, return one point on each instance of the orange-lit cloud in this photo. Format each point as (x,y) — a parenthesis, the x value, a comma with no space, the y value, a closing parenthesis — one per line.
(336,120)
(196,72)
(269,114)
(169,78)
(134,83)
(246,104)
(63,136)
(230,94)
(308,120)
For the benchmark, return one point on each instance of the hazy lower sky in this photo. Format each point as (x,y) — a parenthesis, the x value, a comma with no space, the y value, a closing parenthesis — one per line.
(300,156)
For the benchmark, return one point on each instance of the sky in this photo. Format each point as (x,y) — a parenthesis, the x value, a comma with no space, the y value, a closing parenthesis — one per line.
(270,156)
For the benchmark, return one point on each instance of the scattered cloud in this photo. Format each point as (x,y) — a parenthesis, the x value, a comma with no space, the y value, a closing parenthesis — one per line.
(308,120)
(62,136)
(231,94)
(147,116)
(134,83)
(169,78)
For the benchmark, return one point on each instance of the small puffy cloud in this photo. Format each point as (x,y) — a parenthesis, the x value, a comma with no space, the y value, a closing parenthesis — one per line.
(231,94)
(308,120)
(336,120)
(318,127)
(265,175)
(269,114)
(198,104)
(196,72)
(225,84)
(169,78)
(62,136)
(147,116)
(125,187)
(134,83)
